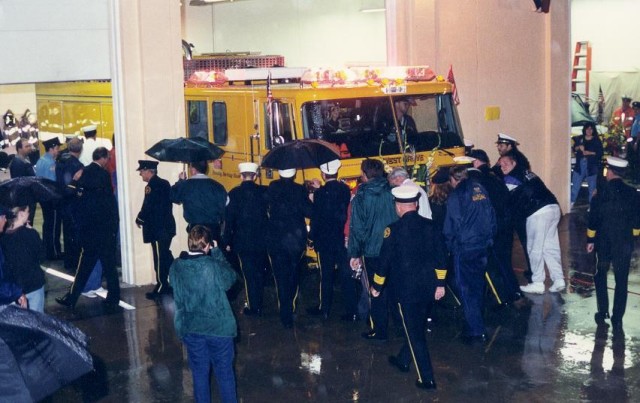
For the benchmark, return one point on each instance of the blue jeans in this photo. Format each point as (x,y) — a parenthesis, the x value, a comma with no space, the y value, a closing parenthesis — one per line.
(204,352)
(36,300)
(577,178)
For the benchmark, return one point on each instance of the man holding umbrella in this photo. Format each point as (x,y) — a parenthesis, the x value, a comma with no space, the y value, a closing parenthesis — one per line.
(157,223)
(289,204)
(203,199)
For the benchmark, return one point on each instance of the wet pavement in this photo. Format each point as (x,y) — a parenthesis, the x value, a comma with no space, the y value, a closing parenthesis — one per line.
(548,350)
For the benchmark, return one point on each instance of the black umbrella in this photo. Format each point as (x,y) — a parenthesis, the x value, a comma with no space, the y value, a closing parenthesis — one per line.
(301,154)
(26,190)
(39,354)
(185,150)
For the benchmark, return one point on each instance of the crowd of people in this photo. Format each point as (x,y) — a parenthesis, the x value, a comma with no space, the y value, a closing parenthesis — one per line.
(395,247)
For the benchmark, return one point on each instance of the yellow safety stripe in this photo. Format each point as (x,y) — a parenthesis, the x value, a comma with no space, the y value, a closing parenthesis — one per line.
(409,342)
(378,279)
(441,274)
(591,233)
(493,288)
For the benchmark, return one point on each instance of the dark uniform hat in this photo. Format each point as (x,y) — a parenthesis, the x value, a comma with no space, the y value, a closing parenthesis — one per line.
(442,176)
(49,144)
(405,193)
(147,164)
(635,104)
(480,155)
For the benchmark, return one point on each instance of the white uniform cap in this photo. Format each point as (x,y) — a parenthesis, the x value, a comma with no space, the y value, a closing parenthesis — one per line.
(249,167)
(405,193)
(468,143)
(616,162)
(463,160)
(331,167)
(90,128)
(287,173)
(505,138)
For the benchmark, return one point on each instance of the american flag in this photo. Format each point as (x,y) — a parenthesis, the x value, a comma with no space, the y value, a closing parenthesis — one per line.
(452,80)
(600,116)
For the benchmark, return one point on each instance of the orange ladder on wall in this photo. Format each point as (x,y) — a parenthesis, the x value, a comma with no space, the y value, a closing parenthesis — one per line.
(581,69)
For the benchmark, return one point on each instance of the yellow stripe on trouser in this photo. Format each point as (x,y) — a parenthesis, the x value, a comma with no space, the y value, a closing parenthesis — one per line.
(365,277)
(320,267)
(246,289)
(156,248)
(275,280)
(73,285)
(493,288)
(295,296)
(406,332)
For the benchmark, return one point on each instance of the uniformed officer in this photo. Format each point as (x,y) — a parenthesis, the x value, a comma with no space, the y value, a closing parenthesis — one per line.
(245,234)
(51,222)
(289,204)
(412,258)
(157,223)
(614,222)
(329,214)
(97,227)
(469,228)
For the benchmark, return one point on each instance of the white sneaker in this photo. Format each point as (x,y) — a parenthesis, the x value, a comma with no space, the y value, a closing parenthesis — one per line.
(557,286)
(90,294)
(533,288)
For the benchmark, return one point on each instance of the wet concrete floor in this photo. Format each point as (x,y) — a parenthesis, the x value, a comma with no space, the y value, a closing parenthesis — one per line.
(547,351)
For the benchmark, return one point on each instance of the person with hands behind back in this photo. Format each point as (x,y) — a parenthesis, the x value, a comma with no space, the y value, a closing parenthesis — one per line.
(412,258)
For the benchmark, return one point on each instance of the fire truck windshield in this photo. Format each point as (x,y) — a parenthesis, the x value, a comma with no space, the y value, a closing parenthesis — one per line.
(367,128)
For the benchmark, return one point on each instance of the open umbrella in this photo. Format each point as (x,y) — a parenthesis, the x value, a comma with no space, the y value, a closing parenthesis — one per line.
(39,354)
(185,150)
(26,190)
(301,154)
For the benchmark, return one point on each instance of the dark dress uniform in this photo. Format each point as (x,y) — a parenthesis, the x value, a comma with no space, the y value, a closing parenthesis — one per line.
(97,227)
(614,221)
(245,233)
(329,214)
(289,204)
(412,259)
(66,167)
(501,278)
(158,228)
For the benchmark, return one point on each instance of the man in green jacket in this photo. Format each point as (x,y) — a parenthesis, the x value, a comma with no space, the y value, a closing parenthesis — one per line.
(372,210)
(203,319)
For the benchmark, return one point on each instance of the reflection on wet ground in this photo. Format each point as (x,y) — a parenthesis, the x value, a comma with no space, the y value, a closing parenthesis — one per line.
(547,351)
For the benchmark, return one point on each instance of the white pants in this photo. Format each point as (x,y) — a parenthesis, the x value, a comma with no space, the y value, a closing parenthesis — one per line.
(543,245)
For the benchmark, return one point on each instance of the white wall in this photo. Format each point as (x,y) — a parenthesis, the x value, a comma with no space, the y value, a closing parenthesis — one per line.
(61,41)
(305,32)
(612,27)
(18,98)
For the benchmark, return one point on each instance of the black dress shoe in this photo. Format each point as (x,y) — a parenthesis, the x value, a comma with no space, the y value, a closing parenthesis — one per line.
(251,312)
(65,301)
(476,339)
(111,306)
(373,336)
(393,360)
(426,385)
(349,318)
(599,317)
(153,295)
(314,311)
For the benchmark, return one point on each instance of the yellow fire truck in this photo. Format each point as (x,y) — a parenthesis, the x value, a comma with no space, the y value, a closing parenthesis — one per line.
(402,115)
